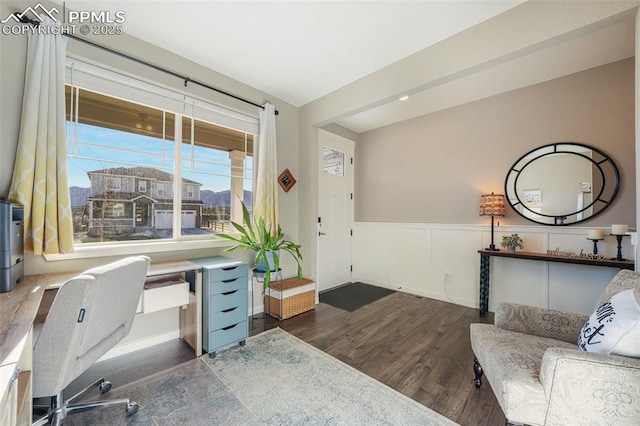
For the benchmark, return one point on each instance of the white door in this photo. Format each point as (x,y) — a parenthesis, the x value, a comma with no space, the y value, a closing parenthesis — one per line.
(188,219)
(335,210)
(163,219)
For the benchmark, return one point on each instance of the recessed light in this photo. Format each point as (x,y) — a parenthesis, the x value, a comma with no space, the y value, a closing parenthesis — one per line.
(403,98)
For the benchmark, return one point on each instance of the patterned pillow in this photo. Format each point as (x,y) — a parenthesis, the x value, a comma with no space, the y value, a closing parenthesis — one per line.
(614,328)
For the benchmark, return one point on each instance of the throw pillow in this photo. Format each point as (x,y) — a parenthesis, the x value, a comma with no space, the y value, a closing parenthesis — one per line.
(614,328)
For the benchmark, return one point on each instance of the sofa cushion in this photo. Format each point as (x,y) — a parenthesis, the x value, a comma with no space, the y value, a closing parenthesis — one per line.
(614,327)
(511,362)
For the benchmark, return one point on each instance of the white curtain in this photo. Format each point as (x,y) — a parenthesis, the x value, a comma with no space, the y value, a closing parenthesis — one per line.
(40,180)
(266,197)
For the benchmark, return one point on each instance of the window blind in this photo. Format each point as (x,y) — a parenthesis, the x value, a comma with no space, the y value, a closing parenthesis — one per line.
(99,78)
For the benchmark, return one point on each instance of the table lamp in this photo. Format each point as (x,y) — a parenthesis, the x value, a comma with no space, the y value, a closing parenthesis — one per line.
(492,205)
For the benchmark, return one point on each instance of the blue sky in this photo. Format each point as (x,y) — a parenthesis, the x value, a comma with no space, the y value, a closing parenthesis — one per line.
(108,145)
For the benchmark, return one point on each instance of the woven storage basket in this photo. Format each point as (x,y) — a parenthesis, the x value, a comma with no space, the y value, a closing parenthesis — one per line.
(294,302)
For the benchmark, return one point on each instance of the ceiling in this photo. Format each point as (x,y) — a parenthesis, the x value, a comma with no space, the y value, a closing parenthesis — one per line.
(299,51)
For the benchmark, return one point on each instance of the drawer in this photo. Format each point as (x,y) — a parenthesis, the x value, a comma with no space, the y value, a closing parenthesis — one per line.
(227,273)
(228,335)
(222,301)
(228,317)
(228,285)
(170,296)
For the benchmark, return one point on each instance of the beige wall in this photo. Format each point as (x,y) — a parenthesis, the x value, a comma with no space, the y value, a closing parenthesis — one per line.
(530,27)
(434,168)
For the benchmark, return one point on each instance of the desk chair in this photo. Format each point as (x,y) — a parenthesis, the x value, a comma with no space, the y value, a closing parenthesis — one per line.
(89,315)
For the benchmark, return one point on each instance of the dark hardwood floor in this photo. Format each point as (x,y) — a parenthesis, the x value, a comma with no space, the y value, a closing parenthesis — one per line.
(417,346)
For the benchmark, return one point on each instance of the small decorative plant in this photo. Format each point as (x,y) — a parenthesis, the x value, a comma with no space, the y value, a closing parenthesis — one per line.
(510,242)
(264,243)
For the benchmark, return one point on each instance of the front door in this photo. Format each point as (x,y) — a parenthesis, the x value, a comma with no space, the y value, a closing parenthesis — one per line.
(335,210)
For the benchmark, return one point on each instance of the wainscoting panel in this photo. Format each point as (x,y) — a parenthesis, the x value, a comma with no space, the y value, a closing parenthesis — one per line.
(410,250)
(576,288)
(517,281)
(442,262)
(372,256)
(455,259)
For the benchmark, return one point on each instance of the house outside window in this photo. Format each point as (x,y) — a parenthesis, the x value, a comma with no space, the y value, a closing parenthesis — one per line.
(123,175)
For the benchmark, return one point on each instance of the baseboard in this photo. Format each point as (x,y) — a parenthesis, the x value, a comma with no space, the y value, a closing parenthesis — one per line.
(257,309)
(140,344)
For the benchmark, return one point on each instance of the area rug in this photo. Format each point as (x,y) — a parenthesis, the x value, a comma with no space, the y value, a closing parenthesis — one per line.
(189,394)
(354,296)
(275,379)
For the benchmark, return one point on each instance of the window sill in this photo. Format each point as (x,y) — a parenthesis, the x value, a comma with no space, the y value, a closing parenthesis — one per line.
(104,250)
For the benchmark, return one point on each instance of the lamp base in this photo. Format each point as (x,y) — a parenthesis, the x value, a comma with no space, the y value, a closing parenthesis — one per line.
(492,247)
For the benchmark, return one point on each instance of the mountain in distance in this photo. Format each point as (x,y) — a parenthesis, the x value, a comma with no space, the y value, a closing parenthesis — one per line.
(223,198)
(210,198)
(79,196)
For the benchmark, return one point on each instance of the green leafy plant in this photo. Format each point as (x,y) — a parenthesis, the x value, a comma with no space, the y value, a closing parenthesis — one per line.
(512,241)
(262,240)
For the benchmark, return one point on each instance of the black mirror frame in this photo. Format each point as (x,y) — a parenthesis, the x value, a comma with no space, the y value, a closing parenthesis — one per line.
(557,148)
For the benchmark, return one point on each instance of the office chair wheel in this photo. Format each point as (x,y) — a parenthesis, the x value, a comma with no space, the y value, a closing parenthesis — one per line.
(105,387)
(243,342)
(132,408)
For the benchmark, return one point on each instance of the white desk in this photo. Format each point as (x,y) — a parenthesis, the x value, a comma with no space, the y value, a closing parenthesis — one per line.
(18,309)
(190,317)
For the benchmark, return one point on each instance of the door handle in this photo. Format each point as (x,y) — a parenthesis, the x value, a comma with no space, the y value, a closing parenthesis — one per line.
(321,233)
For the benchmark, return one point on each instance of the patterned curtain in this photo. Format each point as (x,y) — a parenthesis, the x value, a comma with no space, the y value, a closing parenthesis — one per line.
(40,180)
(266,197)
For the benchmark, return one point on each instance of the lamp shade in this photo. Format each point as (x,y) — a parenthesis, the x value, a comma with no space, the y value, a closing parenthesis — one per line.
(492,205)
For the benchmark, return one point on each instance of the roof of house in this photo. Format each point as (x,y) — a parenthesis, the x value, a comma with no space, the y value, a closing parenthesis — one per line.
(142,172)
(115,196)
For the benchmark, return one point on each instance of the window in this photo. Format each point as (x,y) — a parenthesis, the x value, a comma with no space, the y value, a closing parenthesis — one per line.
(132,164)
(113,183)
(333,161)
(117,209)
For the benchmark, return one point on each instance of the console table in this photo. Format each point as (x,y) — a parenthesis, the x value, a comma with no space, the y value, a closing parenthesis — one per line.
(485,256)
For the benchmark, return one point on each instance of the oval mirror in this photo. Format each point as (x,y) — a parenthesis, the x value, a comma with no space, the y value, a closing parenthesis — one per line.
(562,183)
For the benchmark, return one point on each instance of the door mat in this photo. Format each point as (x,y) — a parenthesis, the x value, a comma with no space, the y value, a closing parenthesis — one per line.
(353,296)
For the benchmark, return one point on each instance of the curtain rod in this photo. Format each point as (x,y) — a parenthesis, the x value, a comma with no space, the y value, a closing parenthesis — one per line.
(164,70)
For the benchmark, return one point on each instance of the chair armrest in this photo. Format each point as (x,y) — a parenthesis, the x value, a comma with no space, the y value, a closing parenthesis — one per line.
(589,388)
(540,322)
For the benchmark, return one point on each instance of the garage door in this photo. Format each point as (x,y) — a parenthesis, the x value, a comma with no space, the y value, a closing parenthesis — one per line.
(189,219)
(164,219)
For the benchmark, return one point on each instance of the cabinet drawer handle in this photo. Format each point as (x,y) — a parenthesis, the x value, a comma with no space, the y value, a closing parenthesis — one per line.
(229,328)
(229,281)
(229,310)
(229,293)
(230,268)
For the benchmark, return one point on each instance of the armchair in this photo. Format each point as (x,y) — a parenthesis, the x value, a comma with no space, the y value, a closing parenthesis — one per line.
(540,377)
(89,315)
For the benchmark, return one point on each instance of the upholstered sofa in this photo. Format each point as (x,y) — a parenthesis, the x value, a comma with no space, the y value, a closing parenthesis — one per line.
(539,375)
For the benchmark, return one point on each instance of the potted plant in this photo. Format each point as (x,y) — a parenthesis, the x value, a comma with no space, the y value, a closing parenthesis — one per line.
(510,242)
(265,244)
